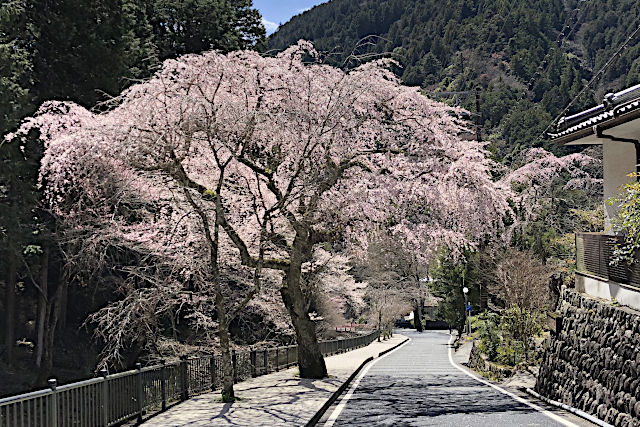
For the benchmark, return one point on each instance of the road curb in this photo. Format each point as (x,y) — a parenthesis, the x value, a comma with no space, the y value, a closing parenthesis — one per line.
(382,353)
(571,409)
(318,415)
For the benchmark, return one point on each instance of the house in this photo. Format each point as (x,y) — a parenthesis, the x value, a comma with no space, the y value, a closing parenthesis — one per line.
(614,124)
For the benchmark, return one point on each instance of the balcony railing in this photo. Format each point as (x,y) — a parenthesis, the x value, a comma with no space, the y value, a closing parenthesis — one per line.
(594,253)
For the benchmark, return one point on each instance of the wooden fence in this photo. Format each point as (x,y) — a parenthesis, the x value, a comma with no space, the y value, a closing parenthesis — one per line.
(133,395)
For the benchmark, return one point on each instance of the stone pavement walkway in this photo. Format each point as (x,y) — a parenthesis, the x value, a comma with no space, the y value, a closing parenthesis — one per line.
(281,398)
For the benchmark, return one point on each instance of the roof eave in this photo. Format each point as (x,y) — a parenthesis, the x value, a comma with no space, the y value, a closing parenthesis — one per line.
(581,133)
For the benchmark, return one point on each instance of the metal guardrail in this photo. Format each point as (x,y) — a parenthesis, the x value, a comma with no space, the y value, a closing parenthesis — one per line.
(594,253)
(114,399)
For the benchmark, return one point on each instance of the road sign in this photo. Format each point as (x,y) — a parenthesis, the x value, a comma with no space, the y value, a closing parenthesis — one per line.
(468,307)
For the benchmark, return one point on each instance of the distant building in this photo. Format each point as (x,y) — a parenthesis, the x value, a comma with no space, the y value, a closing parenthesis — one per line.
(615,124)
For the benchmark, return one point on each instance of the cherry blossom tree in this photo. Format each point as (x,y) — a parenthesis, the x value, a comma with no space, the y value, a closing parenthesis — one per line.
(544,190)
(241,162)
(533,182)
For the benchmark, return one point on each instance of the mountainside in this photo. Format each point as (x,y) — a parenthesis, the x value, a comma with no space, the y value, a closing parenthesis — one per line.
(529,57)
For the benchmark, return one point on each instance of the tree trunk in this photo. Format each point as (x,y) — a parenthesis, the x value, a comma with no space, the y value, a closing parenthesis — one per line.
(379,324)
(10,308)
(417,317)
(43,306)
(310,360)
(64,300)
(228,394)
(54,314)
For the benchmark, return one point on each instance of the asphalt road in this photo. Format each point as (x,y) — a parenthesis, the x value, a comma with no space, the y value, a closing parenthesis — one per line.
(417,385)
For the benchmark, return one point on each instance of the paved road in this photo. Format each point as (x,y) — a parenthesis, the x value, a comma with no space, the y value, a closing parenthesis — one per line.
(417,385)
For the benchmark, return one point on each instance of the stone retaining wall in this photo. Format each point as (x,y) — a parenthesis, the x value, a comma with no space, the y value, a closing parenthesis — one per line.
(593,363)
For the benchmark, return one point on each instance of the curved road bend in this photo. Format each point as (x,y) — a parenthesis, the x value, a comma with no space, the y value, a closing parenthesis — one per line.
(417,385)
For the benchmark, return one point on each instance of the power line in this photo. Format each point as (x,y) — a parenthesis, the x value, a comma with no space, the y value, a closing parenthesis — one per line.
(477,114)
(604,68)
(544,64)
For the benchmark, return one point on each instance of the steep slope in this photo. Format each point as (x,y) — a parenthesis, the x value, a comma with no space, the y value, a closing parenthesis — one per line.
(530,57)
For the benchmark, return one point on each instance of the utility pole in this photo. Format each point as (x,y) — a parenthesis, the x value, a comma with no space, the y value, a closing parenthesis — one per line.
(478,89)
(478,116)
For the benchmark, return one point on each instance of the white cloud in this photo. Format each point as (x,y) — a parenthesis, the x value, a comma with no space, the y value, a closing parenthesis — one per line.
(271,27)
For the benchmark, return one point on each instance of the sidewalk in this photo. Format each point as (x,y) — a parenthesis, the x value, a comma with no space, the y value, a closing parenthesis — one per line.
(281,398)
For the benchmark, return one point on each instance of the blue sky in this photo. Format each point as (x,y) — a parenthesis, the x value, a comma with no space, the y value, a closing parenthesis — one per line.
(275,12)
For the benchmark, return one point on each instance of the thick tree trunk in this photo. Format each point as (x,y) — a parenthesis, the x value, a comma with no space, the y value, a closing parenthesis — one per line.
(417,317)
(43,307)
(310,360)
(10,308)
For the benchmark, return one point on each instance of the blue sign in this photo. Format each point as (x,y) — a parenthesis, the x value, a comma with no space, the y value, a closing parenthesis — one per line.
(468,307)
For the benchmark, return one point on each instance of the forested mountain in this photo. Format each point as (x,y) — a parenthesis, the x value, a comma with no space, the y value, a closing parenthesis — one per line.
(530,57)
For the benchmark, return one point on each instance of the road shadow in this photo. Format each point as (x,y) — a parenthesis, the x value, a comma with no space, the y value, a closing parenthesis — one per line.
(432,400)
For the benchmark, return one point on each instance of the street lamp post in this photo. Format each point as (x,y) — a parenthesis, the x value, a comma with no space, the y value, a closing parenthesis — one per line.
(467,312)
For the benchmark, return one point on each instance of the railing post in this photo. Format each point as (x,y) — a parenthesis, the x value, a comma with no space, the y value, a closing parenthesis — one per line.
(286,365)
(105,397)
(277,358)
(212,369)
(163,384)
(53,411)
(184,378)
(234,361)
(252,360)
(265,359)
(139,391)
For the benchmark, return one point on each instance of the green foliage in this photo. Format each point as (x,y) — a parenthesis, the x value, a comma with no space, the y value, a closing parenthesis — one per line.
(15,64)
(522,325)
(85,50)
(447,285)
(191,26)
(629,222)
(507,337)
(487,326)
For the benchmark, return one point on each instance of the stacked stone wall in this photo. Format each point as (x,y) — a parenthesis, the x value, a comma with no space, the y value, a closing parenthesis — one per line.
(593,362)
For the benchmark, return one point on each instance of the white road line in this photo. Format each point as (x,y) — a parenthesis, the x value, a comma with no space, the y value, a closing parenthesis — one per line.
(336,412)
(513,396)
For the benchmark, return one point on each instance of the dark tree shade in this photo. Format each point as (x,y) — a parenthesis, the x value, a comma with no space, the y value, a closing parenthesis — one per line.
(192,26)
(15,64)
(85,49)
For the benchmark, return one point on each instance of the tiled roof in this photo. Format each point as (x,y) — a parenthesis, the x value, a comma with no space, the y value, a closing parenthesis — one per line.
(614,106)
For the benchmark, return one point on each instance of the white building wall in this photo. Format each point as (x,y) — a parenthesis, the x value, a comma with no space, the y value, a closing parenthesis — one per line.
(619,161)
